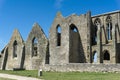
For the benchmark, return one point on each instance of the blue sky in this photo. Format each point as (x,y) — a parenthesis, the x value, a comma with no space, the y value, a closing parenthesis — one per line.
(22,14)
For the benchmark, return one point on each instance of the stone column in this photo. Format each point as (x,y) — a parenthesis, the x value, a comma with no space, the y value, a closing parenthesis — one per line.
(89,48)
(118,19)
(114,38)
(99,44)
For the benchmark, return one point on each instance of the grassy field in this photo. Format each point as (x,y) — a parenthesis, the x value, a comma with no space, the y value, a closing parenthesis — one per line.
(5,79)
(67,75)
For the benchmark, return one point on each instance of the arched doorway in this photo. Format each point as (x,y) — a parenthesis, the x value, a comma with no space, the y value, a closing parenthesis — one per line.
(106,55)
(95,56)
(74,53)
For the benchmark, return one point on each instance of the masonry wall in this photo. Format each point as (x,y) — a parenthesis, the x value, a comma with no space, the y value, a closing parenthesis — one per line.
(73,44)
(59,54)
(32,62)
(69,51)
(118,52)
(14,61)
(81,23)
(3,58)
(109,45)
(82,67)
(74,54)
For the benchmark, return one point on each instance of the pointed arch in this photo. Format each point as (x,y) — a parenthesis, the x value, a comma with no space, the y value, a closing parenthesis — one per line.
(34,47)
(97,23)
(58,30)
(117,33)
(95,56)
(108,19)
(15,46)
(106,55)
(76,54)
(35,41)
(73,28)
(109,27)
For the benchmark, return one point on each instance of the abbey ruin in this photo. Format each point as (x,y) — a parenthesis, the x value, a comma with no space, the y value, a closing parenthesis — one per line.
(74,43)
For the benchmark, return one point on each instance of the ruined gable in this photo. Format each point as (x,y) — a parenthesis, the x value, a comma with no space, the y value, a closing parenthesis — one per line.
(73,40)
(67,45)
(14,52)
(36,46)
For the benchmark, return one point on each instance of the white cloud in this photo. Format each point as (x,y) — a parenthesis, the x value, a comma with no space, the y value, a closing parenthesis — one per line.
(58,3)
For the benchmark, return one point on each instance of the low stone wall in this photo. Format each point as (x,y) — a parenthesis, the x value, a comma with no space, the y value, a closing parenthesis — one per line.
(83,67)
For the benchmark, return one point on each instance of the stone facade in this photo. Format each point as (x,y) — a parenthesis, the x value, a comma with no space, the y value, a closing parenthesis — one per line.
(25,55)
(108,37)
(35,48)
(85,39)
(73,43)
(83,67)
(13,54)
(76,42)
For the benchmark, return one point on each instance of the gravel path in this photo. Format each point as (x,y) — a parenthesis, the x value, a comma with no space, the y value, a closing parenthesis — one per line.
(16,77)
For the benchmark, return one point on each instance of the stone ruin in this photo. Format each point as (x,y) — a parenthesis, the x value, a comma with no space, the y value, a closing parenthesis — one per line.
(75,43)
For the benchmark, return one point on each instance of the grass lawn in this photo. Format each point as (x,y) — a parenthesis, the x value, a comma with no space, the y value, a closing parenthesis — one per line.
(5,79)
(67,75)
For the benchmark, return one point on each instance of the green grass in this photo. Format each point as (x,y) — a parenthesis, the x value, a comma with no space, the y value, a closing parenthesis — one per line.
(67,75)
(28,73)
(6,79)
(80,76)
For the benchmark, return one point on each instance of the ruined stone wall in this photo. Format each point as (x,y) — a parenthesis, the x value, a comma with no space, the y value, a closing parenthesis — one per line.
(61,54)
(83,67)
(74,50)
(15,61)
(58,54)
(118,53)
(73,44)
(80,22)
(3,58)
(109,45)
(33,61)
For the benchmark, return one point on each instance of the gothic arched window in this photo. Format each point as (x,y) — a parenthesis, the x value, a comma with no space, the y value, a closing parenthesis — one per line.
(73,28)
(97,24)
(35,47)
(58,35)
(75,44)
(109,27)
(15,44)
